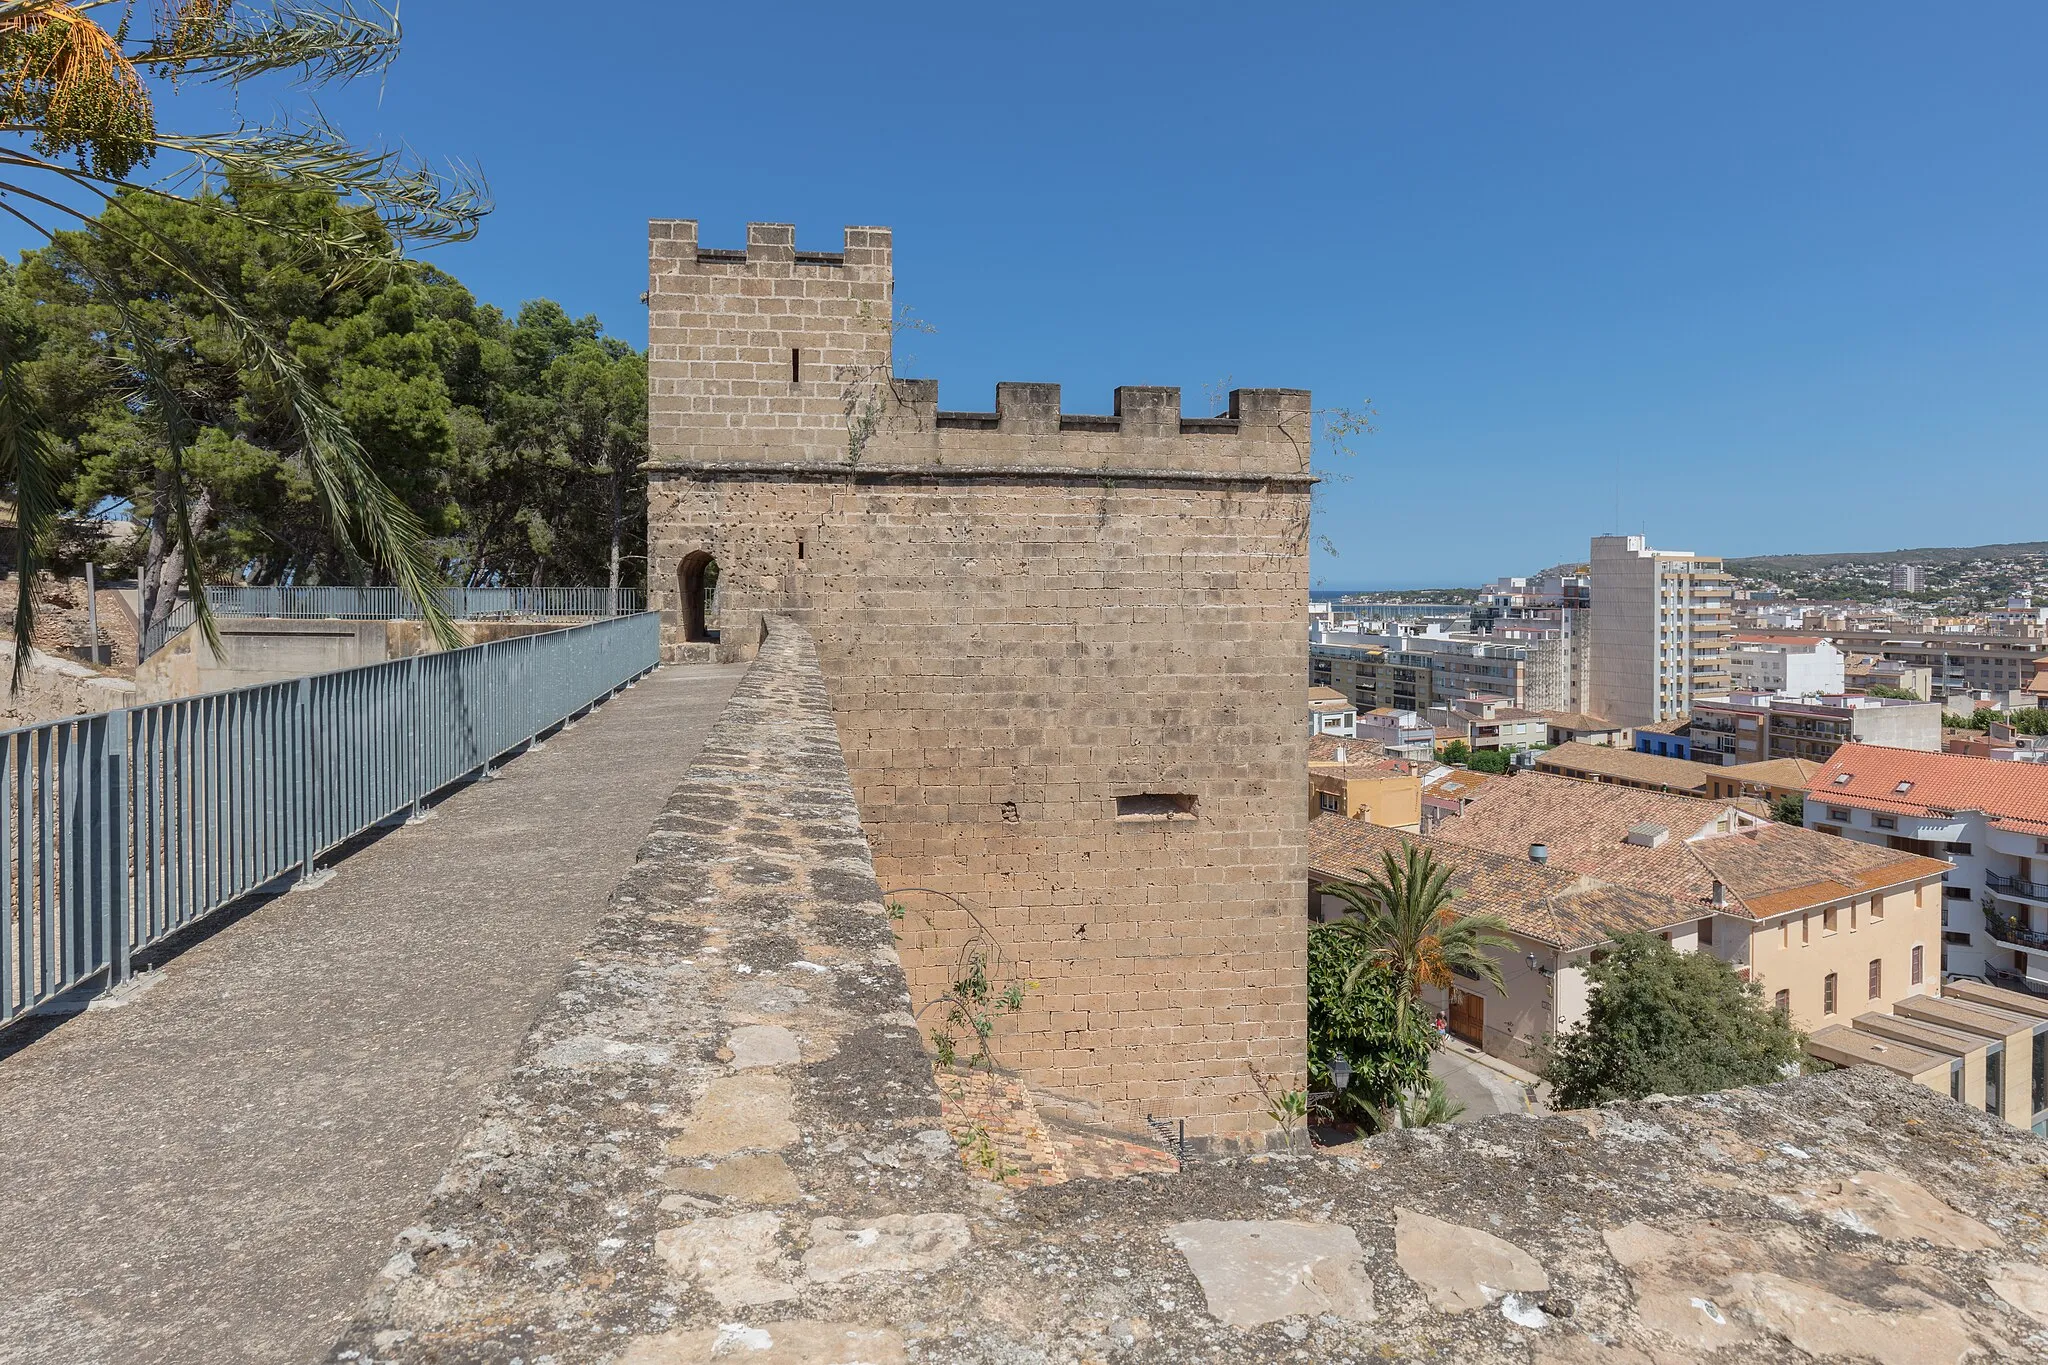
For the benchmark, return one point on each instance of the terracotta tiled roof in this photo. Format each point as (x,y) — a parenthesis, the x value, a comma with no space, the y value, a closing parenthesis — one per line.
(1580,720)
(1664,727)
(1562,909)
(1766,868)
(1772,772)
(2013,795)
(1603,760)
(1323,748)
(1326,694)
(1461,784)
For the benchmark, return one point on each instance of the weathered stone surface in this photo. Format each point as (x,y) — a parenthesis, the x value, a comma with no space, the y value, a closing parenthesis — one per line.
(894,1244)
(1256,1272)
(2023,1286)
(739,1261)
(1461,1268)
(737,1113)
(763,1045)
(764,1178)
(1883,1204)
(772,1343)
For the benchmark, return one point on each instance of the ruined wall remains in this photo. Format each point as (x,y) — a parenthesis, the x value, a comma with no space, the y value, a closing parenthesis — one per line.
(1065,656)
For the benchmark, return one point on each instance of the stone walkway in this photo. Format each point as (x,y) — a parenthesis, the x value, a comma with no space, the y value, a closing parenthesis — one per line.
(215,1170)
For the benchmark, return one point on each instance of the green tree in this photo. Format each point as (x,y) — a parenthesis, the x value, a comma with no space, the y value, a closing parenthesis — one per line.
(1456,752)
(1494,761)
(1659,1021)
(82,102)
(1894,693)
(1401,921)
(1789,809)
(1356,1013)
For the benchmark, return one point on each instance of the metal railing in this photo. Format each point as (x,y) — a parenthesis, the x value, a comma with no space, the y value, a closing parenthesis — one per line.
(393,604)
(121,828)
(2018,886)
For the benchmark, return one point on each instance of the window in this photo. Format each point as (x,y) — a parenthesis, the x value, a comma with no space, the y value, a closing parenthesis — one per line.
(1994,1081)
(1706,931)
(1839,813)
(1805,929)
(1155,806)
(1844,779)
(1783,1004)
(1955,1081)
(1903,788)
(1884,821)
(1959,937)
(1829,920)
(1919,958)
(1785,934)
(1876,977)
(1961,848)
(1955,893)
(1827,994)
(1877,907)
(1328,801)
(796,366)
(2040,1096)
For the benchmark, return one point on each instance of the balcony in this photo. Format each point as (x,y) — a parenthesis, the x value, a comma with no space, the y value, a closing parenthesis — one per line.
(2005,930)
(2018,886)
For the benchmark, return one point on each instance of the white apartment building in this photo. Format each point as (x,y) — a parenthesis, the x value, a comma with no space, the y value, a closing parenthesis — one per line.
(1908,578)
(1661,620)
(1988,818)
(1797,664)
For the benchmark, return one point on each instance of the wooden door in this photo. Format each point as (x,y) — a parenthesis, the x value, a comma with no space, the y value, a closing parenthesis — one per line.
(1468,1016)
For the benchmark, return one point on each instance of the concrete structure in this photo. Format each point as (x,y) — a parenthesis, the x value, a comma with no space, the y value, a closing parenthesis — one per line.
(1329,713)
(1114,600)
(1977,1044)
(1364,786)
(1861,672)
(1750,727)
(1417,670)
(1988,818)
(1908,578)
(256,649)
(1665,739)
(1661,619)
(1797,664)
(1768,781)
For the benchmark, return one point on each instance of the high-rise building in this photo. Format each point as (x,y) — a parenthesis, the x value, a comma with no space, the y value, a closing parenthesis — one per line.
(1661,621)
(1908,578)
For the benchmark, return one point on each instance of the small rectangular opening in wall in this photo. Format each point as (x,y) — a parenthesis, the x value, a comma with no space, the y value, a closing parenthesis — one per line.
(796,365)
(799,549)
(1156,806)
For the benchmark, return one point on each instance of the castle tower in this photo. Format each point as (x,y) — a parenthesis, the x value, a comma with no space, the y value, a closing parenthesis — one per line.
(1065,653)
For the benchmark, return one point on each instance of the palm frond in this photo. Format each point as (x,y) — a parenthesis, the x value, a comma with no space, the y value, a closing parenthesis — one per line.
(418,204)
(321,43)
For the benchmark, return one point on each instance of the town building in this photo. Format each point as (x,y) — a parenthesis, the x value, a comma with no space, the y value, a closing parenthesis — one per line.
(1862,672)
(1956,662)
(1448,793)
(1665,738)
(1978,1044)
(1990,819)
(1749,727)
(1824,926)
(1398,734)
(1768,781)
(1360,785)
(2000,742)
(1490,723)
(1566,727)
(1415,669)
(1625,768)
(1796,664)
(1661,621)
(1330,712)
(1908,578)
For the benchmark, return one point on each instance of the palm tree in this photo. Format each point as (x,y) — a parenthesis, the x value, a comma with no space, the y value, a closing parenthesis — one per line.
(1402,921)
(79,104)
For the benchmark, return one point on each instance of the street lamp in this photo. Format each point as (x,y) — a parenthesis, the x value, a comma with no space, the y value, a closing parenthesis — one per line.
(1340,1071)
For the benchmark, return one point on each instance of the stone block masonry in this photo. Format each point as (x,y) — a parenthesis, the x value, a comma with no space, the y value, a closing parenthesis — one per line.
(1065,656)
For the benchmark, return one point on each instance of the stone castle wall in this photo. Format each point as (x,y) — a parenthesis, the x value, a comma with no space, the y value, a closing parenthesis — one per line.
(1065,656)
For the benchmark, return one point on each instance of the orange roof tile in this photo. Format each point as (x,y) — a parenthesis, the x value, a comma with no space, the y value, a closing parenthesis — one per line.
(2013,795)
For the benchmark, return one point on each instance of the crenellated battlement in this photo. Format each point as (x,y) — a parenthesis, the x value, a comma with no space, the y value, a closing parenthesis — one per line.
(1136,410)
(674,245)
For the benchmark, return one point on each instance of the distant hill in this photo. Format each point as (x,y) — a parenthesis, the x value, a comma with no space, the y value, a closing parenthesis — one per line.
(1763,564)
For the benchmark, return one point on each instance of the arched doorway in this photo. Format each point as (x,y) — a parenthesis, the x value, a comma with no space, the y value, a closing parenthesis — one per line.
(698,582)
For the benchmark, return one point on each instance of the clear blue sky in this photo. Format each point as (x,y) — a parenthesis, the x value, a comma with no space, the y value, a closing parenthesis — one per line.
(1745,277)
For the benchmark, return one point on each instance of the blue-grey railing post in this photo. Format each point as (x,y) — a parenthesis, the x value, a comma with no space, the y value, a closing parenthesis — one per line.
(416,767)
(115,808)
(310,874)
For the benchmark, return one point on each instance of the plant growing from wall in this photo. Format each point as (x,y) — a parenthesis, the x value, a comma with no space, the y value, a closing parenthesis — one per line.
(1352,1010)
(1789,809)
